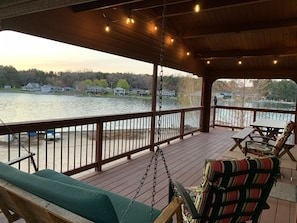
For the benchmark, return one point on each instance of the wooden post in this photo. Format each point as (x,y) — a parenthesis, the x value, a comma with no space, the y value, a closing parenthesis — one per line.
(205,103)
(154,102)
(99,140)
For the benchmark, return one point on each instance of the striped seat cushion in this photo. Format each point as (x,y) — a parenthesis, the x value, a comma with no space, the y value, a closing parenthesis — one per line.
(264,149)
(232,181)
(261,148)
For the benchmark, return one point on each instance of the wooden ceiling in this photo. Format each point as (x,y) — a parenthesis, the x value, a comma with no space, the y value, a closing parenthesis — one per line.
(223,32)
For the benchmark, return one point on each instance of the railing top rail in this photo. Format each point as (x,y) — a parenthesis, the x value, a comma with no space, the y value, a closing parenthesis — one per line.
(42,125)
(256,109)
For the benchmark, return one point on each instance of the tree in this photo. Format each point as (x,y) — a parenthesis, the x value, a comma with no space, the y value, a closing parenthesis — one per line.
(103,83)
(122,83)
(9,76)
(189,89)
(171,82)
(285,90)
(88,82)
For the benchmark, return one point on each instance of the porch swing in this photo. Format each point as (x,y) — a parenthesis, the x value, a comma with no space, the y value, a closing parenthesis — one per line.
(47,196)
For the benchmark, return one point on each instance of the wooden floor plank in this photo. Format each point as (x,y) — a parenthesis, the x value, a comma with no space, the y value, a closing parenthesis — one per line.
(268,216)
(185,160)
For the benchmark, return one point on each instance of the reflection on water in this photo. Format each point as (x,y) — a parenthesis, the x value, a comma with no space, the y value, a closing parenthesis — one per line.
(28,107)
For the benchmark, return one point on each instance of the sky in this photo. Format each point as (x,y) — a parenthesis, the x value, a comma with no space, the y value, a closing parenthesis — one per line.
(25,52)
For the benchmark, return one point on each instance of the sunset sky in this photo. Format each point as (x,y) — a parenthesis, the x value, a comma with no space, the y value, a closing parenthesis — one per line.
(25,52)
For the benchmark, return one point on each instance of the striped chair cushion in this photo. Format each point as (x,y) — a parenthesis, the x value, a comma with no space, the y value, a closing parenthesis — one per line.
(233,187)
(263,149)
(286,133)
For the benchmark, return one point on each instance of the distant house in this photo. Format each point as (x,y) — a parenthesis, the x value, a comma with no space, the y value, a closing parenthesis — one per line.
(67,89)
(108,89)
(119,91)
(168,93)
(31,87)
(96,90)
(7,87)
(140,92)
(226,94)
(50,88)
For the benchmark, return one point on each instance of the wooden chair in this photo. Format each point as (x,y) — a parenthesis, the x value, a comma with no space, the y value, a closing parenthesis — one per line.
(231,191)
(262,146)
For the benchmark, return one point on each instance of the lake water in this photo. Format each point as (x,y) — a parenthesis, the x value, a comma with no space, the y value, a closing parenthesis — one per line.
(17,107)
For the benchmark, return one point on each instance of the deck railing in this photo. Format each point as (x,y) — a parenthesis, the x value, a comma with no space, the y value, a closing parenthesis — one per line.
(238,117)
(75,145)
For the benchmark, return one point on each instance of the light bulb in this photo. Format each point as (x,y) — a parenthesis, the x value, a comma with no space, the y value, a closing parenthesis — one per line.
(128,20)
(197,8)
(107,29)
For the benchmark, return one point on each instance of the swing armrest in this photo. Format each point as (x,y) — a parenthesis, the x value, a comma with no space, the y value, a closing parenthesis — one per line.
(187,199)
(174,207)
(21,158)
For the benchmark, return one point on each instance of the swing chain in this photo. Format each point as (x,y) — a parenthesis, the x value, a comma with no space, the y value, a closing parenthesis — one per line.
(158,151)
(137,191)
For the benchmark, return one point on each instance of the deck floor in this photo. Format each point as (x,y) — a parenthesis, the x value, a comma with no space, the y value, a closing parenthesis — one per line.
(185,160)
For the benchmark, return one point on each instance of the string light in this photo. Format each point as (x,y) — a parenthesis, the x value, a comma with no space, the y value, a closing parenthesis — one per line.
(208,62)
(239,62)
(129,19)
(188,53)
(197,8)
(275,61)
(156,27)
(172,40)
(107,28)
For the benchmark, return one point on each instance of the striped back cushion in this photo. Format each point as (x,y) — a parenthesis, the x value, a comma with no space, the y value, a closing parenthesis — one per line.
(284,136)
(233,189)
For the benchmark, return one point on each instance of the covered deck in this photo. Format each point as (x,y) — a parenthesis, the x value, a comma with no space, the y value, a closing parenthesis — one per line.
(185,160)
(221,34)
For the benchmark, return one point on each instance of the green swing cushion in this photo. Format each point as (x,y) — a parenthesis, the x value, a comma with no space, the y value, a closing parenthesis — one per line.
(139,212)
(89,204)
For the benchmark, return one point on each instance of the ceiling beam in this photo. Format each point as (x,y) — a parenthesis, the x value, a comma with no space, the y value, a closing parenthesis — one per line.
(238,28)
(18,8)
(267,73)
(102,5)
(247,53)
(173,6)
(207,6)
